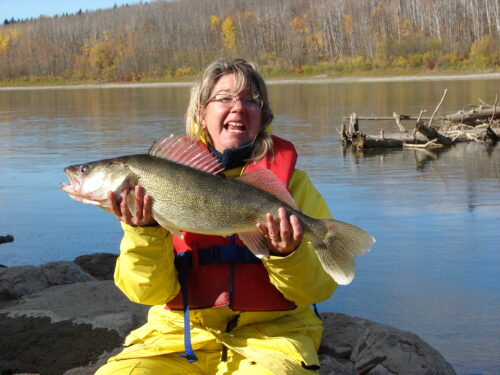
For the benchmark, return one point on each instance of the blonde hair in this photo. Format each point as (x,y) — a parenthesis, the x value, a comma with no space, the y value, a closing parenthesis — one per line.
(245,76)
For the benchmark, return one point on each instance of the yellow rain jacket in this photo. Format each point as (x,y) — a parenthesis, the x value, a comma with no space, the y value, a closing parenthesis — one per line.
(282,341)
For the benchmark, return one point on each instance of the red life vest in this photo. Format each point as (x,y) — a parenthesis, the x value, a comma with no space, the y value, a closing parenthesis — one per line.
(220,271)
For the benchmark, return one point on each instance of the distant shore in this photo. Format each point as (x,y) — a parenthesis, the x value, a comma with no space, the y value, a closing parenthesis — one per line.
(306,80)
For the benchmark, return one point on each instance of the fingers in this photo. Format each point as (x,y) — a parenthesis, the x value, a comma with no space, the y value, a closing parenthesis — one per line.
(126,216)
(283,236)
(113,204)
(142,207)
(297,228)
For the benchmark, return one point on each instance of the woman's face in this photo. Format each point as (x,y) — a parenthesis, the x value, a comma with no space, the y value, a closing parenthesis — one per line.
(230,126)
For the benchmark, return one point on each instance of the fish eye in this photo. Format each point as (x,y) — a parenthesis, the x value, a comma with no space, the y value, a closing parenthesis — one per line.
(84,169)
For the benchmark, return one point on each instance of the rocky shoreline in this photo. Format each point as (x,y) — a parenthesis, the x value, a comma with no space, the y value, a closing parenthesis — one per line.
(67,318)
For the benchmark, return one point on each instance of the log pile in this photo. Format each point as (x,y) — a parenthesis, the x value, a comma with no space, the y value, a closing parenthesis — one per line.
(480,123)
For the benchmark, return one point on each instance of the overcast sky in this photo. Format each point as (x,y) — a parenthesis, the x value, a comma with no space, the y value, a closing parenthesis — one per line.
(21,9)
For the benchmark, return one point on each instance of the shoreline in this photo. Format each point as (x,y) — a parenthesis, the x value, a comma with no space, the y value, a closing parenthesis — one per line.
(322,79)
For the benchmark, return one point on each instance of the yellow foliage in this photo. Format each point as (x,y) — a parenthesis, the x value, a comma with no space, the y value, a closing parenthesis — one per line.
(184,71)
(229,34)
(485,52)
(400,62)
(6,38)
(348,23)
(298,25)
(214,22)
(102,59)
(4,42)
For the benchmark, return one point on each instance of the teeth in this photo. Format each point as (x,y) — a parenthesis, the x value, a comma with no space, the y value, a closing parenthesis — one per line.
(233,125)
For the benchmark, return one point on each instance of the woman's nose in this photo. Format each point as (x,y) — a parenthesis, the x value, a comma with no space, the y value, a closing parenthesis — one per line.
(238,106)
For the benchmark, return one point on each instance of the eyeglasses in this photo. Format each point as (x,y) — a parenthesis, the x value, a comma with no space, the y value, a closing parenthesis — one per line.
(229,101)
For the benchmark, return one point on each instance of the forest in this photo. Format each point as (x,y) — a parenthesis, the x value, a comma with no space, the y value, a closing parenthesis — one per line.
(172,40)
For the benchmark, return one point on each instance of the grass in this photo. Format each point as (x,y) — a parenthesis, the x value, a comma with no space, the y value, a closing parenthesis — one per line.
(318,71)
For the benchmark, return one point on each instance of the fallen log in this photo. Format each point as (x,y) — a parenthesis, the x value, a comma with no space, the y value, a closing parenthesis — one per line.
(473,116)
(362,142)
(431,134)
(429,145)
(491,138)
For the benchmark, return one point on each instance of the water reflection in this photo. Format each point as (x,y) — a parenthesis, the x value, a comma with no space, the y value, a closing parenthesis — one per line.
(434,269)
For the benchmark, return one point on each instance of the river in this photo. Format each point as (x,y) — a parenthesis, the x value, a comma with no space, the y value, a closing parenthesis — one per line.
(435,268)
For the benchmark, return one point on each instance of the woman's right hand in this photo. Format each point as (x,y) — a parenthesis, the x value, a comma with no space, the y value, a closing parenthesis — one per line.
(143,207)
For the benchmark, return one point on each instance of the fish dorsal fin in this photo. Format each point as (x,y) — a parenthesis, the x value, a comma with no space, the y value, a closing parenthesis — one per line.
(266,180)
(185,152)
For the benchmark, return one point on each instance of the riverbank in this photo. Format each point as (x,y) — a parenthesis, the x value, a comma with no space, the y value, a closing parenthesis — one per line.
(67,318)
(323,79)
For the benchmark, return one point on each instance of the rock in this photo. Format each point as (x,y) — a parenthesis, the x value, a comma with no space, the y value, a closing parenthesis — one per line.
(100,265)
(61,273)
(66,326)
(380,349)
(19,281)
(6,239)
(332,366)
(38,345)
(98,303)
(23,280)
(73,327)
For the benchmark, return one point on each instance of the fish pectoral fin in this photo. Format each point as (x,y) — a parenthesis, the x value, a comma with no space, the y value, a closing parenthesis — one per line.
(256,243)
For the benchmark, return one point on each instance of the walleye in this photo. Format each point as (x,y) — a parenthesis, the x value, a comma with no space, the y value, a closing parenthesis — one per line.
(188,195)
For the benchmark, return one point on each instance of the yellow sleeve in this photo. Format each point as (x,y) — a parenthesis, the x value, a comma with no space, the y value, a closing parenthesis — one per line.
(145,270)
(300,275)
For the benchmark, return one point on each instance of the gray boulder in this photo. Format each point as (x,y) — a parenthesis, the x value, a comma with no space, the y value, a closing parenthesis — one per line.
(376,349)
(99,265)
(16,282)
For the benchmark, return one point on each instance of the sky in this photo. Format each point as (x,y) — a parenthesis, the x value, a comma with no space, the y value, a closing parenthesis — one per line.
(22,9)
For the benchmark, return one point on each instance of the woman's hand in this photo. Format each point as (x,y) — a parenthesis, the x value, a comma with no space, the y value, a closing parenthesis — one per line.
(284,238)
(143,204)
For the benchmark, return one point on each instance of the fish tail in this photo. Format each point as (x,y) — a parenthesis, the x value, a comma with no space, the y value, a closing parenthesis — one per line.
(337,243)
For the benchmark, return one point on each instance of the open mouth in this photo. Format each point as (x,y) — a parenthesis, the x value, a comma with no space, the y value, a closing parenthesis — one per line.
(73,190)
(234,127)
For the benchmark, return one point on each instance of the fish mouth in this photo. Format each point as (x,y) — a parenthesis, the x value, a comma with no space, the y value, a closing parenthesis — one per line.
(73,190)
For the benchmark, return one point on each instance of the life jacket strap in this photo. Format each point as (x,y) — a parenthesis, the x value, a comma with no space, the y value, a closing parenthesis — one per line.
(183,262)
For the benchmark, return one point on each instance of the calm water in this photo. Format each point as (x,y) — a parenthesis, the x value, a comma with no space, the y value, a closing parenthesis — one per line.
(436,264)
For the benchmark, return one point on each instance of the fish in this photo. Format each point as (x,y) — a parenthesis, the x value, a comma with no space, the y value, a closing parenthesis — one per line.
(189,194)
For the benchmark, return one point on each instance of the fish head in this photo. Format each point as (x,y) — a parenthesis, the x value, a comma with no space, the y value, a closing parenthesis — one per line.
(91,182)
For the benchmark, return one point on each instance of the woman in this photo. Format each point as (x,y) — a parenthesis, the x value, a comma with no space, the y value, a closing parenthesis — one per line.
(236,314)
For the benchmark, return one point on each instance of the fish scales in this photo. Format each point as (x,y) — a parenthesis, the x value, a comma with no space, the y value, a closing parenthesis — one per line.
(195,200)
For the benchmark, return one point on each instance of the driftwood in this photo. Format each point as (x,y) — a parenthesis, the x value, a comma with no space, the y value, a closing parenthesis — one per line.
(491,138)
(475,115)
(7,238)
(433,134)
(437,107)
(425,136)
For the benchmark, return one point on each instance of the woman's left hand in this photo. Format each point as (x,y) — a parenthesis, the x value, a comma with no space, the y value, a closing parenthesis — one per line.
(284,237)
